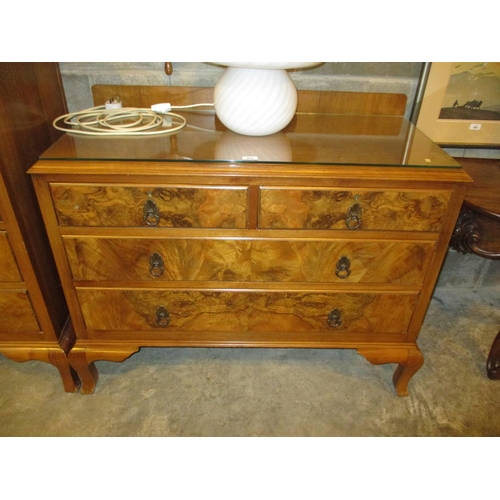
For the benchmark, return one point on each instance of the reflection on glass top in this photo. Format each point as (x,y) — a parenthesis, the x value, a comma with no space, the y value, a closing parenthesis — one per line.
(309,139)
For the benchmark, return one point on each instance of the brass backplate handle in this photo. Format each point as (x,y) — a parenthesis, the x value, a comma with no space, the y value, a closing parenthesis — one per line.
(334,318)
(156,265)
(162,316)
(151,213)
(354,214)
(343,269)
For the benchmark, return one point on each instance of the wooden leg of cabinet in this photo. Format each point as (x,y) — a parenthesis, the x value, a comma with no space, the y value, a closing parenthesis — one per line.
(70,379)
(85,369)
(408,358)
(405,371)
(48,354)
(82,358)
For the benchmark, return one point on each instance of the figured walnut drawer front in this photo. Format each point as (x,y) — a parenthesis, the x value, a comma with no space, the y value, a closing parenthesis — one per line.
(16,314)
(321,261)
(235,311)
(8,268)
(385,210)
(168,206)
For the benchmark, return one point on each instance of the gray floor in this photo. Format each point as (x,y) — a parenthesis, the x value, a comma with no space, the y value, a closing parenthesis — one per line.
(279,392)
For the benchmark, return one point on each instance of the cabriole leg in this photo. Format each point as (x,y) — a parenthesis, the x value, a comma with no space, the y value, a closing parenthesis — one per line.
(86,370)
(408,358)
(405,371)
(82,359)
(48,354)
(70,379)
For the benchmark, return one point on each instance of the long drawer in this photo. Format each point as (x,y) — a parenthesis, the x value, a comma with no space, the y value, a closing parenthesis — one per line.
(244,310)
(167,206)
(270,260)
(386,210)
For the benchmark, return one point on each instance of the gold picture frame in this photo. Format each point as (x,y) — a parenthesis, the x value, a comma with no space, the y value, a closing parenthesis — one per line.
(461,104)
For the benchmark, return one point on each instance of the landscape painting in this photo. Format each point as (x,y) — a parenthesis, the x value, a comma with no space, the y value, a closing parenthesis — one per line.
(472,93)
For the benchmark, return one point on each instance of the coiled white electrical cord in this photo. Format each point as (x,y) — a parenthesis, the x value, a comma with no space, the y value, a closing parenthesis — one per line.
(122,121)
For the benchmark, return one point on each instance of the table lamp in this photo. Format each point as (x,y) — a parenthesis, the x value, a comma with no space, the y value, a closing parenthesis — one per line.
(256,98)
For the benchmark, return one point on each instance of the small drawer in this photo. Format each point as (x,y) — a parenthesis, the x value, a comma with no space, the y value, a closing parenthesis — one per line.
(259,260)
(167,206)
(16,313)
(9,271)
(245,311)
(282,208)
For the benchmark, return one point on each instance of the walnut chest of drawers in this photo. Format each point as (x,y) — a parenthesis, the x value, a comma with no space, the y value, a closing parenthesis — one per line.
(323,236)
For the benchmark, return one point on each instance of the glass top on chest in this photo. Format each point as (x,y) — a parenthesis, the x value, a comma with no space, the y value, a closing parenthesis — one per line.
(325,139)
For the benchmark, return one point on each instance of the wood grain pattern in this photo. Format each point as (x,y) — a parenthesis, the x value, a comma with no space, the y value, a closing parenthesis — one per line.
(250,250)
(8,269)
(226,311)
(259,260)
(16,315)
(328,209)
(115,205)
(183,259)
(394,262)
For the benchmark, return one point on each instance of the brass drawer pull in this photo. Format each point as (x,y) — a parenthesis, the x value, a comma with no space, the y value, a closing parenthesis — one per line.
(334,318)
(151,213)
(353,220)
(162,316)
(156,265)
(343,269)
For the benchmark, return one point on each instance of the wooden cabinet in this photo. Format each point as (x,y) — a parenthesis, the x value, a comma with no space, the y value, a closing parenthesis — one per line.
(164,242)
(34,319)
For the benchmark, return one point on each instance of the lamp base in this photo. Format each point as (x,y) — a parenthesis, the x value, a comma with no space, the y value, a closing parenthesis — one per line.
(255,102)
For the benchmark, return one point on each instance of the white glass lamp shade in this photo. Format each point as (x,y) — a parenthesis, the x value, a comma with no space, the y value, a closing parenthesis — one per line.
(256,98)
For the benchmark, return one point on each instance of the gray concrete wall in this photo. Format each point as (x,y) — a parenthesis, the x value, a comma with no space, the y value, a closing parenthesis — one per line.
(79,77)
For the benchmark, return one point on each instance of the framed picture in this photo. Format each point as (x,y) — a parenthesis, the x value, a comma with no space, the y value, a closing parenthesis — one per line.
(461,104)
